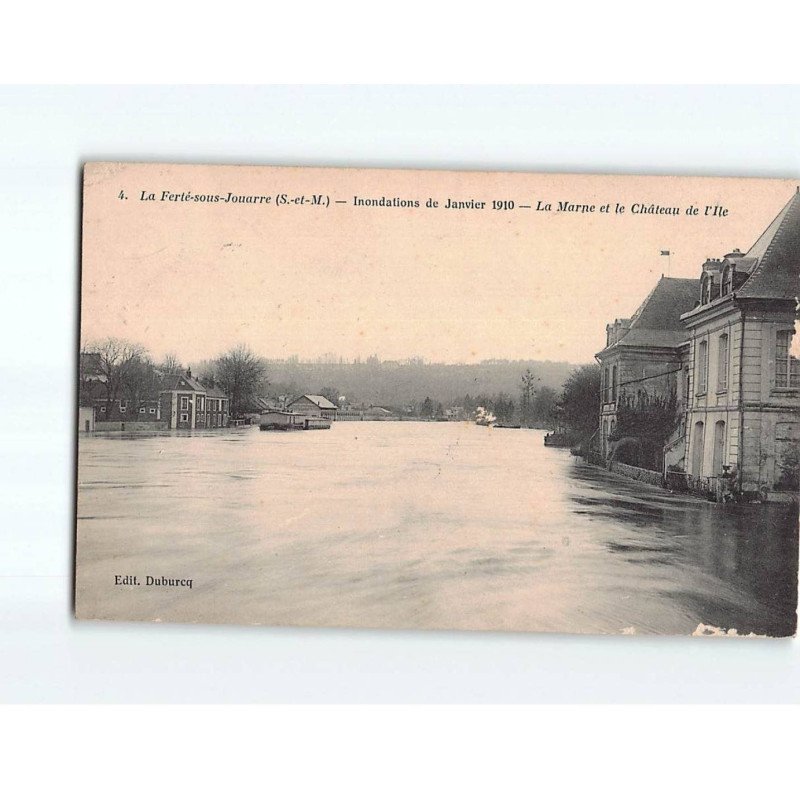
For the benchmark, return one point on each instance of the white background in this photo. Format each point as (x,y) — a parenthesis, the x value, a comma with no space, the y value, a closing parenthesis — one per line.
(48,133)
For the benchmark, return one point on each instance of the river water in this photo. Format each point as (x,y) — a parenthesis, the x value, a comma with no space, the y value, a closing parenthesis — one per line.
(416,525)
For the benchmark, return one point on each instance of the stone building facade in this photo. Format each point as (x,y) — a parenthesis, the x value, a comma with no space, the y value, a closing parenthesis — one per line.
(643,360)
(723,348)
(745,379)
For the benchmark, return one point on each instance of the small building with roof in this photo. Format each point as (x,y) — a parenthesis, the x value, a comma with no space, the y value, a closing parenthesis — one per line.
(313,405)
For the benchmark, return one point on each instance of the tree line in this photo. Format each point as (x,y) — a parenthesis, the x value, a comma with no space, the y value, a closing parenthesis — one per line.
(406,383)
(130,376)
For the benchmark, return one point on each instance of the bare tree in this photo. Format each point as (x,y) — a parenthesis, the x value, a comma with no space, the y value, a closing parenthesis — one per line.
(242,375)
(88,376)
(139,383)
(117,360)
(171,365)
(529,381)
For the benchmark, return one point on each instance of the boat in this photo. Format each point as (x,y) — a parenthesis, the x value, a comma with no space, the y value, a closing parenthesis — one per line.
(513,427)
(556,439)
(289,421)
(484,417)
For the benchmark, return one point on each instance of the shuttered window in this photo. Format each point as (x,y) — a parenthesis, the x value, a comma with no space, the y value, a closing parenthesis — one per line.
(787,367)
(702,368)
(722,363)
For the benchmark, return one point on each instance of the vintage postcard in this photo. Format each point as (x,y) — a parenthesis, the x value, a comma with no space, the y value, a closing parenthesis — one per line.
(438,400)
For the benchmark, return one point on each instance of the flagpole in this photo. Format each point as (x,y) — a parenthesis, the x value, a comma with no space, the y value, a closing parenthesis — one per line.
(668,254)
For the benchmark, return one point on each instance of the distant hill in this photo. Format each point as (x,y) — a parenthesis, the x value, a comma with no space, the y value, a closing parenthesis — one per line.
(393,383)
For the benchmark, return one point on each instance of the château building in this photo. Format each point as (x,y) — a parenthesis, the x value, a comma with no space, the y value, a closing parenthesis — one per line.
(716,354)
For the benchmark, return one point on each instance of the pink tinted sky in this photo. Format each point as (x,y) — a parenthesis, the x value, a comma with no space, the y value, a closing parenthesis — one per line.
(195,278)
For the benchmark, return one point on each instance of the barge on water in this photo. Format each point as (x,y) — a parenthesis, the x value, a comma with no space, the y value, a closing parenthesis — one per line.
(288,421)
(556,439)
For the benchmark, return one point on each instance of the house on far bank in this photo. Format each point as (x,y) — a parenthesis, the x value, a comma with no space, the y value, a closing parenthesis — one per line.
(313,405)
(366,413)
(455,413)
(171,401)
(378,413)
(264,403)
(217,407)
(186,404)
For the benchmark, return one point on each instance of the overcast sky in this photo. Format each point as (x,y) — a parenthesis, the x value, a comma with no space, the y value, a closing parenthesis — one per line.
(195,278)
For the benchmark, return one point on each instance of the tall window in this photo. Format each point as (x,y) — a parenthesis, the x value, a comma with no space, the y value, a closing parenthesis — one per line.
(613,384)
(787,367)
(722,363)
(606,384)
(702,367)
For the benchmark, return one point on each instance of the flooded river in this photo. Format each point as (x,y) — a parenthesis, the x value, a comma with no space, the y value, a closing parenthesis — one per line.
(415,525)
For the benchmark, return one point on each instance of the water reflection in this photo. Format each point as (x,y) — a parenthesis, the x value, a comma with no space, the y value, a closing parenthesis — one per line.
(739,562)
(417,525)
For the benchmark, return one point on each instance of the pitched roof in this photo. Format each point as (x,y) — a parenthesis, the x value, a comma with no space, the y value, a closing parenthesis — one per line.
(264,404)
(173,382)
(317,400)
(662,308)
(657,321)
(775,257)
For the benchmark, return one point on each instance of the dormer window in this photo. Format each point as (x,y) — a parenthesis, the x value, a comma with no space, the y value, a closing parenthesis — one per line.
(705,295)
(727,281)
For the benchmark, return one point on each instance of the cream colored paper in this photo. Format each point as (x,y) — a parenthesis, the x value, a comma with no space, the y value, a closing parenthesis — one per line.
(378,279)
